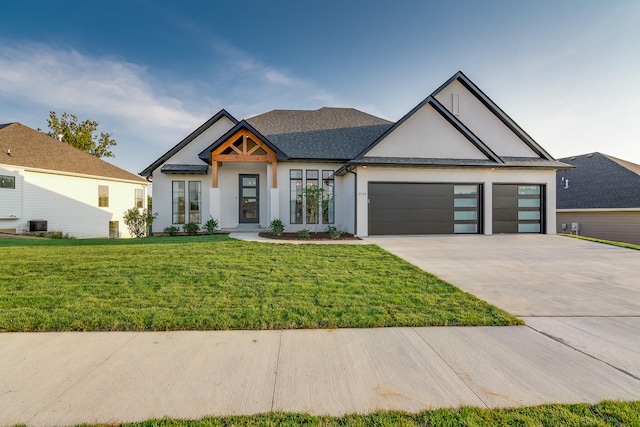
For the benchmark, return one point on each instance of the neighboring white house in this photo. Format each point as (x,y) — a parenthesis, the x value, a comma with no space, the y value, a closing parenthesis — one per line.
(456,163)
(48,185)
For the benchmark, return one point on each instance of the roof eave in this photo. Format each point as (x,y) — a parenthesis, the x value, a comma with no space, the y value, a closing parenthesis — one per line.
(148,171)
(497,111)
(205,155)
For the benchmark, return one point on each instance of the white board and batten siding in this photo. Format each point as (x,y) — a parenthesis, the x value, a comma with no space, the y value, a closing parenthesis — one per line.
(482,122)
(426,134)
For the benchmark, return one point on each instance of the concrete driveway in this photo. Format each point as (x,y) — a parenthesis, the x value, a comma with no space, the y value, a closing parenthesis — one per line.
(584,295)
(530,275)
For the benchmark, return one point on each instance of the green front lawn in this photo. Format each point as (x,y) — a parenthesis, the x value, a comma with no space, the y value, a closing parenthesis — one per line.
(608,413)
(213,282)
(606,242)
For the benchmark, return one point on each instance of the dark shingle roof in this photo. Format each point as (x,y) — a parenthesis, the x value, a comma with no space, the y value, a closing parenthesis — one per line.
(32,149)
(326,133)
(598,181)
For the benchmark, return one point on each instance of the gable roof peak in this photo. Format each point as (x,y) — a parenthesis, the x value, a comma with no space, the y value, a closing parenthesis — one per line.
(148,171)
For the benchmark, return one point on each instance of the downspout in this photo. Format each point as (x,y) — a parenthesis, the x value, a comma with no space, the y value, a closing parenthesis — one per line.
(355,200)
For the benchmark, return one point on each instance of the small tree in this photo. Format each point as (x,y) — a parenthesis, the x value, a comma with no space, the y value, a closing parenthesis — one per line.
(80,135)
(138,221)
(317,203)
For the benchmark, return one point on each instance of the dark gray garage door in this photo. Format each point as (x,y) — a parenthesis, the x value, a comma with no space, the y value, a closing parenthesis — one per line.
(518,208)
(424,208)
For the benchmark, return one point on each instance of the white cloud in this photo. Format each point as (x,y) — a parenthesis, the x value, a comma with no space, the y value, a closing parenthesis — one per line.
(63,79)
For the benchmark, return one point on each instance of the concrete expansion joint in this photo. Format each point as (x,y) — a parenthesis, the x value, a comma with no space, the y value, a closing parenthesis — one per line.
(81,378)
(275,380)
(566,344)
(444,360)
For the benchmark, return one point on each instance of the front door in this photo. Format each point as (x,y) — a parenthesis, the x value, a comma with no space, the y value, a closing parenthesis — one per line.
(249,198)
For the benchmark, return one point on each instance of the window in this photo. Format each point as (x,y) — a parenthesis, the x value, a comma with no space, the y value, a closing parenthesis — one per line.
(312,197)
(295,196)
(194,201)
(317,204)
(328,204)
(138,198)
(103,196)
(178,202)
(7,181)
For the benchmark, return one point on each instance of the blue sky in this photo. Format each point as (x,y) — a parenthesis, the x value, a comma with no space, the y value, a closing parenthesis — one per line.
(151,71)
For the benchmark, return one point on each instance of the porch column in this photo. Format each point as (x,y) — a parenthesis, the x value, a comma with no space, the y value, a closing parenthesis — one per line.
(215,208)
(214,172)
(274,211)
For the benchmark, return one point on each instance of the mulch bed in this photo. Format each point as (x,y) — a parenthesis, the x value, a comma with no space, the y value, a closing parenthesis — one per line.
(314,236)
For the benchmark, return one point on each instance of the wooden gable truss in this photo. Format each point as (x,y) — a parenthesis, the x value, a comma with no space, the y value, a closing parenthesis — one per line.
(243,146)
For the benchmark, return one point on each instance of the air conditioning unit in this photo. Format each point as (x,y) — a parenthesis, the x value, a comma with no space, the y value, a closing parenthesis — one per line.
(37,225)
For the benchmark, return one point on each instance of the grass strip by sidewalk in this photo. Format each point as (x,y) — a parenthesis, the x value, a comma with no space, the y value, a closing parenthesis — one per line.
(606,242)
(212,283)
(607,413)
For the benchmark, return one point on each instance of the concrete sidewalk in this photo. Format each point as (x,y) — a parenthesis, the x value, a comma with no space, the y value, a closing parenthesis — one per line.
(68,378)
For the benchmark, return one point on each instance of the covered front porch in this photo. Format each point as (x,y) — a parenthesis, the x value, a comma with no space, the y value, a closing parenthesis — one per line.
(244,190)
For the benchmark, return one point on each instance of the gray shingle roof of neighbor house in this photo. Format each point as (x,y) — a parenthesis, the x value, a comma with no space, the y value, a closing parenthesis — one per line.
(598,181)
(25,147)
(323,134)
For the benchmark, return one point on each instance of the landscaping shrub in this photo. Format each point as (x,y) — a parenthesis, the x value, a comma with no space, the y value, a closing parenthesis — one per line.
(191,228)
(138,221)
(277,227)
(304,234)
(172,230)
(211,226)
(333,232)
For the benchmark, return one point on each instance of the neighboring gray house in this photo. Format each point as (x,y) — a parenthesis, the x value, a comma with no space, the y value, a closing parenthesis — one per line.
(599,197)
(456,163)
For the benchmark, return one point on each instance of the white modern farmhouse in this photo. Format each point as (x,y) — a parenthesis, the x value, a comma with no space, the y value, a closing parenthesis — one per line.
(48,185)
(456,163)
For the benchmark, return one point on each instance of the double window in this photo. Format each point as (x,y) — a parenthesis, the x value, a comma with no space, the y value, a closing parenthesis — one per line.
(179,202)
(311,201)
